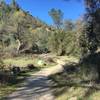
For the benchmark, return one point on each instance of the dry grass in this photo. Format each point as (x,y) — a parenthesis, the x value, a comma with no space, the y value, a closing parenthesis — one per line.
(24,61)
(70,86)
(95,96)
(72,93)
(66,88)
(18,61)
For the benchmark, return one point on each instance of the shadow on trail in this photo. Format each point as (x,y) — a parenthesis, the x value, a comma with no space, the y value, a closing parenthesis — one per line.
(34,88)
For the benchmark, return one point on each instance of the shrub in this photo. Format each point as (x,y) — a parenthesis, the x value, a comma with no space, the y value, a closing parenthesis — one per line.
(90,66)
(1,65)
(61,43)
(56,42)
(89,72)
(16,70)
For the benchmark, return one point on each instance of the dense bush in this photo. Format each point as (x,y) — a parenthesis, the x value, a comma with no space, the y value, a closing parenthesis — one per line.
(62,43)
(41,38)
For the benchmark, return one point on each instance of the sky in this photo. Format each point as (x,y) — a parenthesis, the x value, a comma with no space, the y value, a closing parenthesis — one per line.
(39,8)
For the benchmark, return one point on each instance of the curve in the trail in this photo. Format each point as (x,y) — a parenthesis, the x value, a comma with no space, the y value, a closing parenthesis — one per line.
(38,86)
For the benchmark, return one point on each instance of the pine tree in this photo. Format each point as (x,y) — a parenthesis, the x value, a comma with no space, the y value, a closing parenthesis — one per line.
(14,5)
(57,17)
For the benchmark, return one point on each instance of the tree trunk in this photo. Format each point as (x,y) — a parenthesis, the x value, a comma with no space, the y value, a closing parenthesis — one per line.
(19,45)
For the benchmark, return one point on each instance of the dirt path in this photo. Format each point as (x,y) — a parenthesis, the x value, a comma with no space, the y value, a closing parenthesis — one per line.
(38,86)
(35,88)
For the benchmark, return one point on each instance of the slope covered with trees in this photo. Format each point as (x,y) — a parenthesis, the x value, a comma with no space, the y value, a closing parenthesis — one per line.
(17,27)
(21,32)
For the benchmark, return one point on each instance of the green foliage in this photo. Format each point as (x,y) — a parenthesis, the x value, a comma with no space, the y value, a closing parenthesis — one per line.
(17,24)
(92,21)
(32,33)
(62,43)
(56,42)
(14,5)
(57,17)
(68,25)
(41,37)
(64,39)
(20,31)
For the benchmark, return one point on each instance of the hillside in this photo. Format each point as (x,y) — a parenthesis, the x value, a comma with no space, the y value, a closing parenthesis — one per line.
(18,27)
